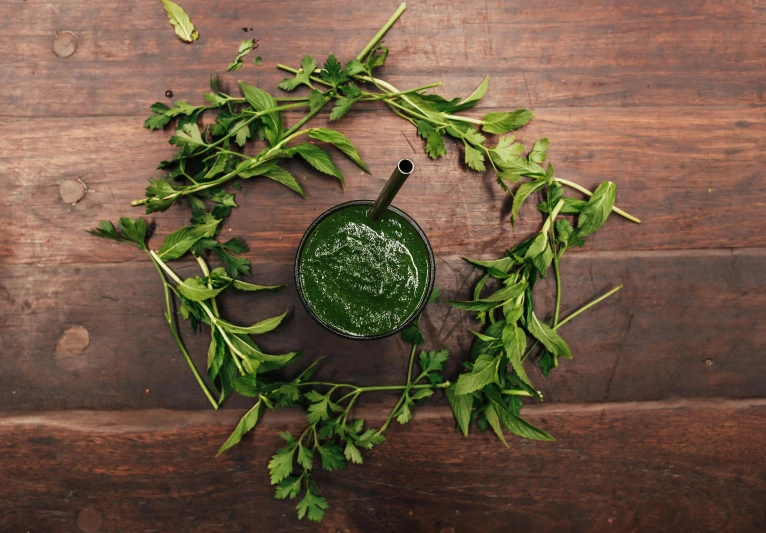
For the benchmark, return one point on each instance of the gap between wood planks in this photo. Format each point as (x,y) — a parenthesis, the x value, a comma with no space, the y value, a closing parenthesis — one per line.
(164,419)
(371,108)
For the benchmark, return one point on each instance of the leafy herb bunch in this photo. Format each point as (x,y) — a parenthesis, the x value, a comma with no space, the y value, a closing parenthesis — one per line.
(209,159)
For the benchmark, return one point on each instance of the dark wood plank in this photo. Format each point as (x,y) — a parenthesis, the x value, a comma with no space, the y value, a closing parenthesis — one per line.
(689,177)
(686,324)
(663,468)
(564,54)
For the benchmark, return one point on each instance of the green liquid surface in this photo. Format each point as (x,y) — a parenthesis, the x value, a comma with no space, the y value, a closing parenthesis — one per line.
(361,277)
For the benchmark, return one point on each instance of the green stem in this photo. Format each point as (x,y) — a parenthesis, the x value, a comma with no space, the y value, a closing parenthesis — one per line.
(558,288)
(174,331)
(573,315)
(406,390)
(513,392)
(382,31)
(206,272)
(588,306)
(585,191)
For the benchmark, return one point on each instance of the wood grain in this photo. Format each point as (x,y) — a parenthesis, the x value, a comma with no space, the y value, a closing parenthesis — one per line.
(662,468)
(565,54)
(650,341)
(686,175)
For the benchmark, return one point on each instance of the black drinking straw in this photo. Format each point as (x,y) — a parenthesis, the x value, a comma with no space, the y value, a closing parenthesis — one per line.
(394,183)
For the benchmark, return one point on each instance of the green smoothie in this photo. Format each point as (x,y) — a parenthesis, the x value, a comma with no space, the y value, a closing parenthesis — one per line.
(364,278)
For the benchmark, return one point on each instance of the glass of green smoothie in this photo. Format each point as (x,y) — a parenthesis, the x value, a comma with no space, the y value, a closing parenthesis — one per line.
(364,277)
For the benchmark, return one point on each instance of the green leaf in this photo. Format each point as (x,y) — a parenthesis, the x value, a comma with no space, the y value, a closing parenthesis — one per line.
(376,57)
(246,424)
(281,464)
(522,193)
(258,61)
(539,151)
(405,414)
(483,374)
(332,72)
(462,406)
(259,328)
(421,394)
(474,158)
(435,145)
(244,286)
(412,334)
(514,423)
(332,457)
(342,105)
(179,242)
(506,121)
(301,78)
(136,236)
(538,245)
(548,337)
(156,121)
(317,158)
(249,350)
(282,176)
(516,165)
(352,453)
(496,299)
(494,423)
(290,487)
(196,291)
(433,361)
(188,135)
(316,100)
(506,149)
(515,341)
(180,21)
(341,142)
(305,457)
(245,47)
(260,100)
(473,99)
(567,235)
(355,67)
(312,506)
(503,264)
(435,295)
(371,437)
(597,210)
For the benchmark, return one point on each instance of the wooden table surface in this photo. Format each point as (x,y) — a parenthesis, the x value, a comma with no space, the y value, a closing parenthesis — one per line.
(660,418)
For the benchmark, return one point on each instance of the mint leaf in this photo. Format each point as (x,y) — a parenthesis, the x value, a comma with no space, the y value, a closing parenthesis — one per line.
(483,374)
(597,210)
(341,142)
(522,193)
(280,175)
(317,158)
(548,337)
(506,121)
(462,406)
(515,342)
(473,99)
(181,22)
(246,424)
(260,100)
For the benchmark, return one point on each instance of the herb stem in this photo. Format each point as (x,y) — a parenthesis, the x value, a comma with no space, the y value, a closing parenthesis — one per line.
(585,191)
(206,272)
(587,306)
(378,36)
(174,331)
(405,393)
